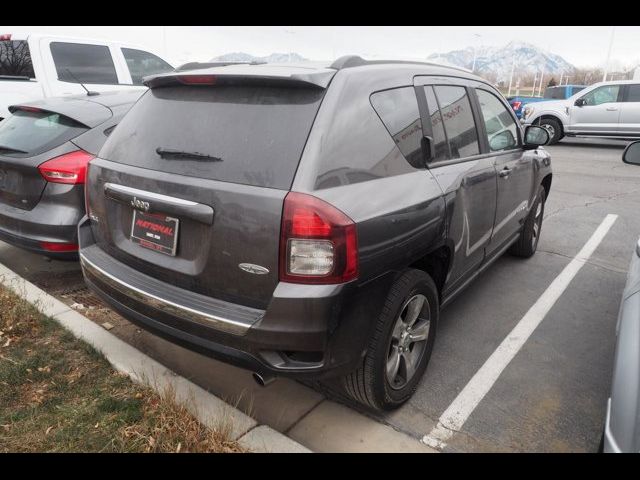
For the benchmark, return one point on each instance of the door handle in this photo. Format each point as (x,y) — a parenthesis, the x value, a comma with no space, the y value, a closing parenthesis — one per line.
(612,109)
(505,172)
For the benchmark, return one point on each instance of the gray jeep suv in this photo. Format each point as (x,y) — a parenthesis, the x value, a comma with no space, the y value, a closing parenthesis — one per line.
(310,221)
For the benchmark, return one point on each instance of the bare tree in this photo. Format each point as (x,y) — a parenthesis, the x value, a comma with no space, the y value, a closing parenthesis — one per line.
(15,59)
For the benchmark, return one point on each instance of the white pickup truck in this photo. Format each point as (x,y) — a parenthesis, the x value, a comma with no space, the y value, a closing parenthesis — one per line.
(36,66)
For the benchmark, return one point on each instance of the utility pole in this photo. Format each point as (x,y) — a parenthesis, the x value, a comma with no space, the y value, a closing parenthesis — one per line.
(535,80)
(606,65)
(561,75)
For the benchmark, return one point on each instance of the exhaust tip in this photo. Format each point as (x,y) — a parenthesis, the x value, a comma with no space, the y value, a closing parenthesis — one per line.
(262,380)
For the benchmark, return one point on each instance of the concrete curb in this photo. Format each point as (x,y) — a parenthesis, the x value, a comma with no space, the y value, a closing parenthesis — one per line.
(209,409)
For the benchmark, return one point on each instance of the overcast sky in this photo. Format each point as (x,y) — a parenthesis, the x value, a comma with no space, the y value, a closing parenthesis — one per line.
(581,46)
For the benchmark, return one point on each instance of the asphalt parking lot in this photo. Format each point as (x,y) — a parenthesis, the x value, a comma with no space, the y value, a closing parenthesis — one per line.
(550,397)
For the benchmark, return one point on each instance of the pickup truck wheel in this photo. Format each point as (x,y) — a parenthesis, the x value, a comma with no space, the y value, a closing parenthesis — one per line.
(527,244)
(401,345)
(554,128)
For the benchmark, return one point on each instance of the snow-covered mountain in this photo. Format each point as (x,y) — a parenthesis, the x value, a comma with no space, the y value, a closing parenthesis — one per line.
(273,58)
(498,61)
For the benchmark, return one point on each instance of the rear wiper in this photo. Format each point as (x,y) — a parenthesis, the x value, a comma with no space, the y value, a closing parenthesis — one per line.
(169,153)
(11,149)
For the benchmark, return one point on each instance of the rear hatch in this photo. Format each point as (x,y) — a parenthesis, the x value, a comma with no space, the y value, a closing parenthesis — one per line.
(205,169)
(27,139)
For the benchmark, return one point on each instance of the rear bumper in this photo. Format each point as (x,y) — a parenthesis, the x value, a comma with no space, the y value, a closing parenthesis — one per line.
(306,331)
(54,219)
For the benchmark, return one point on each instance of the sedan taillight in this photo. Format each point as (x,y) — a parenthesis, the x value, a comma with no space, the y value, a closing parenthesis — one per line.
(70,168)
(318,243)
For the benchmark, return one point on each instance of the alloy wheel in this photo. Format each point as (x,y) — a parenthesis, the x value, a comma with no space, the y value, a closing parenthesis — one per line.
(408,341)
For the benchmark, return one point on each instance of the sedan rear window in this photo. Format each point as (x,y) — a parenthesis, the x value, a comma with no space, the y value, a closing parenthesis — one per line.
(27,133)
(15,59)
(252,135)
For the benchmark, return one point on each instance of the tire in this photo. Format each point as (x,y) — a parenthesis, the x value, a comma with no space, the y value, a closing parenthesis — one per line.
(369,384)
(554,127)
(527,244)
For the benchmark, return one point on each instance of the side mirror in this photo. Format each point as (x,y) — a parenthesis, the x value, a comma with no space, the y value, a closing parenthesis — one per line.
(631,154)
(581,102)
(535,136)
(428,149)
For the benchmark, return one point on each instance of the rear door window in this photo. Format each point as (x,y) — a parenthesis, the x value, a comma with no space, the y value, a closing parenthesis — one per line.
(441,146)
(27,133)
(633,93)
(141,64)
(15,59)
(242,134)
(398,110)
(458,120)
(84,63)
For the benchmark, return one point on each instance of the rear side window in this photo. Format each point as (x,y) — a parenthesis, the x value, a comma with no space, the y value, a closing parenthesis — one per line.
(633,93)
(31,133)
(441,147)
(398,110)
(78,62)
(458,120)
(15,59)
(252,135)
(141,64)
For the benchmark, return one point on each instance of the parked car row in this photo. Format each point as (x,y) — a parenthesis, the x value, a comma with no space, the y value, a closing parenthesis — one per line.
(302,222)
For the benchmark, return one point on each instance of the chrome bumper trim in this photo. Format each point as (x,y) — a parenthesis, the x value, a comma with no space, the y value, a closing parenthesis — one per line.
(203,318)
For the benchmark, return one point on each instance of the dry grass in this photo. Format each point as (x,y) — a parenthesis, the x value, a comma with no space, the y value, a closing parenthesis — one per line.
(58,394)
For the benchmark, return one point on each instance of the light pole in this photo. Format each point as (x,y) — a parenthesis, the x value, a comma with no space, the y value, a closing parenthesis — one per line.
(513,66)
(606,65)
(473,67)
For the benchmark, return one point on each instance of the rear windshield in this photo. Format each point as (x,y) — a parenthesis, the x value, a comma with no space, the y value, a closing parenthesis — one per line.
(556,93)
(242,134)
(31,133)
(15,59)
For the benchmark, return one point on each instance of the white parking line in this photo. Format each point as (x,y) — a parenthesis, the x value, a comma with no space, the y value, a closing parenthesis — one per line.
(468,399)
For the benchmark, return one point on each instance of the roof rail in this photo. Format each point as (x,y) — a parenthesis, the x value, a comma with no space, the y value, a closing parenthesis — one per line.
(349,61)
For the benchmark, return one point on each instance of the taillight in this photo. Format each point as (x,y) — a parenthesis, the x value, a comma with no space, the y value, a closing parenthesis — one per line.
(5,36)
(318,243)
(516,105)
(59,247)
(197,79)
(70,168)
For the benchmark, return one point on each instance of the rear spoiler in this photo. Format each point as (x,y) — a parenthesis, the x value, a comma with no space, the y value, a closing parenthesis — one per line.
(245,74)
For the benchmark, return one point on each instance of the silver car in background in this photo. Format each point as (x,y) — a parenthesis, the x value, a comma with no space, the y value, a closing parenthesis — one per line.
(622,426)
(604,110)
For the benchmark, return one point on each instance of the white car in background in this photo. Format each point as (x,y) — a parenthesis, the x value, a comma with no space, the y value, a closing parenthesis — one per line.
(36,66)
(605,110)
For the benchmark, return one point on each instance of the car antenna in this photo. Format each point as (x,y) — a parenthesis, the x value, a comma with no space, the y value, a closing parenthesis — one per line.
(89,93)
